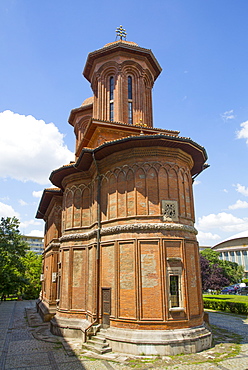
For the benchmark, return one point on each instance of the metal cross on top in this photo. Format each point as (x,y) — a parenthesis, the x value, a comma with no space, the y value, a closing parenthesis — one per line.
(121,33)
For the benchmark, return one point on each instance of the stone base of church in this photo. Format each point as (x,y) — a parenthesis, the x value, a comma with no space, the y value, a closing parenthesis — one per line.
(70,328)
(159,342)
(140,342)
(45,312)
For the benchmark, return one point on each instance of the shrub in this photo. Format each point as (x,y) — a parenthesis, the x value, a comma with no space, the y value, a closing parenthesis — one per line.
(225,305)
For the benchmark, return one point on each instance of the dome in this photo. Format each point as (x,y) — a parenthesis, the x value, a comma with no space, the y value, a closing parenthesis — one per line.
(121,41)
(88,101)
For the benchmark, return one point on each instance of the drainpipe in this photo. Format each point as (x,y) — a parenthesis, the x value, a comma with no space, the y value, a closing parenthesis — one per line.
(98,242)
(98,237)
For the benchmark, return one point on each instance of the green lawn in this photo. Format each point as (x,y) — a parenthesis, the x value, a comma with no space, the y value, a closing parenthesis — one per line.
(228,297)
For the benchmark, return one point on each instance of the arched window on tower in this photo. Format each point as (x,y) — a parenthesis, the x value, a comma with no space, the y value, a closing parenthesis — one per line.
(111,98)
(130,100)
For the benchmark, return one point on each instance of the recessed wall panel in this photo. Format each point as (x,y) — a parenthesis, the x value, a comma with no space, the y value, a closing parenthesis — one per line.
(108,272)
(78,279)
(193,280)
(64,303)
(151,289)
(91,280)
(127,296)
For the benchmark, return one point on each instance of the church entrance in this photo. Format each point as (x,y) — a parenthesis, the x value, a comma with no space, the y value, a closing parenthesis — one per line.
(106,307)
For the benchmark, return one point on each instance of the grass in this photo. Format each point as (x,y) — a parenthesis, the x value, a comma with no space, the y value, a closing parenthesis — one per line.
(232,303)
(230,297)
(89,358)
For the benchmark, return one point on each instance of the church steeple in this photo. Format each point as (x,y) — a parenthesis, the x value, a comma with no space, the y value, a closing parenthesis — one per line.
(122,75)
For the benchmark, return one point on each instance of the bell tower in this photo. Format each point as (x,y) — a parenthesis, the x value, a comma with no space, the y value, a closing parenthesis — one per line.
(122,75)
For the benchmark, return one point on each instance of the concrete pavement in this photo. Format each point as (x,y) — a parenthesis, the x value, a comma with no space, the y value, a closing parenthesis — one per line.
(26,343)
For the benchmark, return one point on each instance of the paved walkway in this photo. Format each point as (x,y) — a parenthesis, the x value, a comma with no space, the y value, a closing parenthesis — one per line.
(26,343)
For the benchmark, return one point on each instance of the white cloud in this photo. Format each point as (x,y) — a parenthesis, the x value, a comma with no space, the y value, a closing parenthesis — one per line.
(243,133)
(29,148)
(207,238)
(242,190)
(196,182)
(37,194)
(239,204)
(25,224)
(228,115)
(35,233)
(222,221)
(22,202)
(7,211)
(4,199)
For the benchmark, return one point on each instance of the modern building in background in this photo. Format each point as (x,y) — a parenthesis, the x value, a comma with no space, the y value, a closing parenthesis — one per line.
(235,249)
(120,244)
(203,247)
(36,243)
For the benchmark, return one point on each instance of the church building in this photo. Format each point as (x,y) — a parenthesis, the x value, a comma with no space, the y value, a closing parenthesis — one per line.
(120,249)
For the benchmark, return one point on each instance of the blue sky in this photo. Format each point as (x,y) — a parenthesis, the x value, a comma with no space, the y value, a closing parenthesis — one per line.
(202,46)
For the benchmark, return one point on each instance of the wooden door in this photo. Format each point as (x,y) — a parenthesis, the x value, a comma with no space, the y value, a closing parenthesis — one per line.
(106,307)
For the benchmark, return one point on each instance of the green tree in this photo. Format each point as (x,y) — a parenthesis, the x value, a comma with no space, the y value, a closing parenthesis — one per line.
(210,255)
(231,270)
(32,263)
(12,249)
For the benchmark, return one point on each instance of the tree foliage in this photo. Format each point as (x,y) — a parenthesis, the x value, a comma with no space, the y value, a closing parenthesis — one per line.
(32,263)
(12,249)
(210,255)
(19,268)
(217,273)
(212,275)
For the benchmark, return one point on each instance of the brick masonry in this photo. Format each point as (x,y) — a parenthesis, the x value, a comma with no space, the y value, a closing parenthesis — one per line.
(121,219)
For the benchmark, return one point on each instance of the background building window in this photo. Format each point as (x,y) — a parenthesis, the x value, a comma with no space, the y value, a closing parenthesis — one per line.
(239,258)
(226,256)
(245,260)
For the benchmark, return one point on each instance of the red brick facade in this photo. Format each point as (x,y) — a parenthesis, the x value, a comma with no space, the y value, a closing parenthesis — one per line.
(120,243)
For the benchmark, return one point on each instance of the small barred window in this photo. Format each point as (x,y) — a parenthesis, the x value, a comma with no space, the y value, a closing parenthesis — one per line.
(170,210)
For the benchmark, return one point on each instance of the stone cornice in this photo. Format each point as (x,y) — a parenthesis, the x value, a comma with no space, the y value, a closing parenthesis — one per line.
(150,227)
(51,246)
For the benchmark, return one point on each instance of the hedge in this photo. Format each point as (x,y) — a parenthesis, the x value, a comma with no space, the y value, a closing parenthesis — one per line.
(219,305)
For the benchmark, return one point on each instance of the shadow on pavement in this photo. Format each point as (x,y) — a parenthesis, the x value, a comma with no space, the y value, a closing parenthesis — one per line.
(237,324)
(28,343)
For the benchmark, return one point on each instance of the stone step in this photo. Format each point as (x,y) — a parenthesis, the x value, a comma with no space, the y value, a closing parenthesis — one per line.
(102,330)
(97,343)
(100,350)
(97,339)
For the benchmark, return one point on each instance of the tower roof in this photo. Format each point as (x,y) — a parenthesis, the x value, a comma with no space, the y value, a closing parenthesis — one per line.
(121,46)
